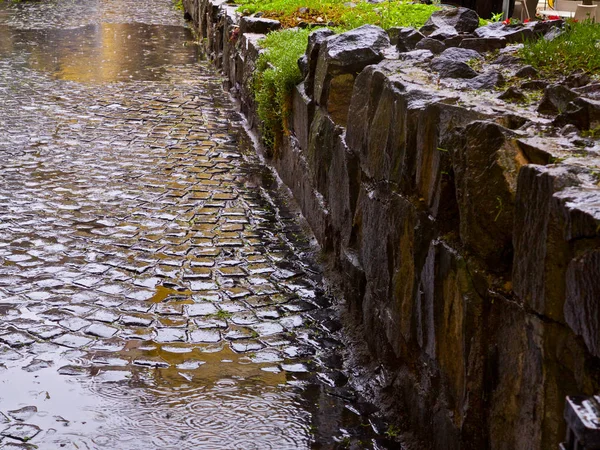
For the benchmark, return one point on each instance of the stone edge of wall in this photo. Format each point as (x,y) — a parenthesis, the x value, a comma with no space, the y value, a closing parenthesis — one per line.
(470,261)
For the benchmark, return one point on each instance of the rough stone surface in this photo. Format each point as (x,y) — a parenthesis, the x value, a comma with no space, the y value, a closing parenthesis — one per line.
(249,24)
(589,91)
(430,44)
(419,56)
(527,72)
(461,54)
(542,228)
(498,30)
(347,53)
(484,152)
(556,98)
(489,80)
(449,68)
(513,94)
(582,290)
(443,33)
(311,56)
(583,113)
(463,20)
(407,39)
(483,45)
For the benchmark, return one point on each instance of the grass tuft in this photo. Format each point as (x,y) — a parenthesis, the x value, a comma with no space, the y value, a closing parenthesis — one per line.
(577,49)
(276,75)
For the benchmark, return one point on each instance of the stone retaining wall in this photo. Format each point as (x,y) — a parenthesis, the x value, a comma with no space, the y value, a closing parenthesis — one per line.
(471,261)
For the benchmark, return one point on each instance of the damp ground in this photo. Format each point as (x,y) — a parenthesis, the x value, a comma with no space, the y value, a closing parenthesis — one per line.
(156,289)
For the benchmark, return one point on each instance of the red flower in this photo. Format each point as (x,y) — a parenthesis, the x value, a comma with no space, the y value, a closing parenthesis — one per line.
(527,20)
(506,22)
(553,17)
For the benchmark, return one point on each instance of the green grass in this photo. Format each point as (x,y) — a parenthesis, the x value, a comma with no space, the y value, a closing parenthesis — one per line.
(276,75)
(387,14)
(343,13)
(578,48)
(277,70)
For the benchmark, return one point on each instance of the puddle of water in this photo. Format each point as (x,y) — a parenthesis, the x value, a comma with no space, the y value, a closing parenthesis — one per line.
(99,53)
(123,407)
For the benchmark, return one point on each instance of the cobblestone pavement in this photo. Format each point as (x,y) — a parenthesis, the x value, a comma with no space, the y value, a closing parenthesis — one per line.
(153,288)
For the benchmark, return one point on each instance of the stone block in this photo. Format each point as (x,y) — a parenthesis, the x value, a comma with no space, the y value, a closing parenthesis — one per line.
(365,100)
(463,20)
(385,225)
(461,54)
(443,33)
(347,53)
(582,309)
(355,280)
(483,45)
(258,25)
(549,221)
(556,98)
(531,365)
(489,80)
(584,113)
(486,154)
(433,180)
(448,315)
(302,115)
(340,95)
(322,139)
(512,34)
(342,193)
(416,56)
(513,95)
(450,68)
(407,38)
(295,171)
(431,44)
(311,56)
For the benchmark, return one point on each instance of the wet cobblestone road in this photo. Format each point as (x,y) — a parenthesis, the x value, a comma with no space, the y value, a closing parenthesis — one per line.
(153,289)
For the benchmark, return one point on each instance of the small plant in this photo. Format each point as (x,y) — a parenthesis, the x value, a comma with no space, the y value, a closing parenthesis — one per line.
(223,315)
(476,64)
(393,431)
(593,133)
(499,208)
(497,17)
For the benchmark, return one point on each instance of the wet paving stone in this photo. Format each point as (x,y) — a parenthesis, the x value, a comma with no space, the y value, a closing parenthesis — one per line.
(22,432)
(22,414)
(150,296)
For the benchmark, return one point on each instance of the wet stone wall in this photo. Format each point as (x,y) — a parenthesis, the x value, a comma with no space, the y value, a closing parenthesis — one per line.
(467,246)
(157,291)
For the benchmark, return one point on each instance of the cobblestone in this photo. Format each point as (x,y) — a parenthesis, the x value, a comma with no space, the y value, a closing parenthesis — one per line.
(143,252)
